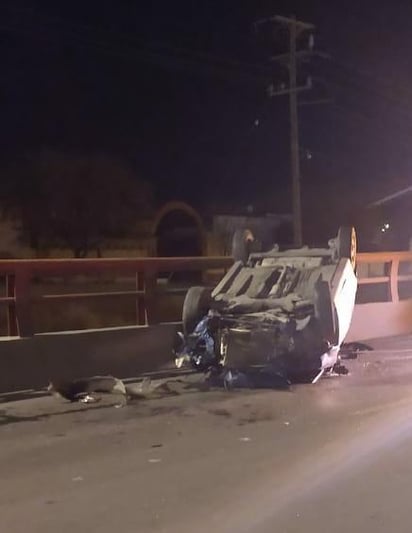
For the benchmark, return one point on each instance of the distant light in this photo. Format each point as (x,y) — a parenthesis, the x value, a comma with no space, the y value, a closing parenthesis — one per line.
(257,122)
(385,227)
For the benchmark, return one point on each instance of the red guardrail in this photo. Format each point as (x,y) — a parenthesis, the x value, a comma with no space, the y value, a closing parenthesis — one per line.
(384,297)
(375,269)
(19,275)
(389,270)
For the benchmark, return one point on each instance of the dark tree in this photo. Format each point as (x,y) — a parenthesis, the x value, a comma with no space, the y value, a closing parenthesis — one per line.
(74,201)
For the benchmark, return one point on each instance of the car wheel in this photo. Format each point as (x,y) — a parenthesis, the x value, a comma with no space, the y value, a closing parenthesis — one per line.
(195,307)
(347,244)
(242,244)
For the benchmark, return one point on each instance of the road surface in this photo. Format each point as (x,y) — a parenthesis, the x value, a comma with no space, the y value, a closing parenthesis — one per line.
(336,456)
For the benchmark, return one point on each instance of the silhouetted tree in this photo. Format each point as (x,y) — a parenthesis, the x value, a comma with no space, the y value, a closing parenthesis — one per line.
(76,201)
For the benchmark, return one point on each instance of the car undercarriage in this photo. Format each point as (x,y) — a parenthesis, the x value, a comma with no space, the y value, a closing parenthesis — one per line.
(277,315)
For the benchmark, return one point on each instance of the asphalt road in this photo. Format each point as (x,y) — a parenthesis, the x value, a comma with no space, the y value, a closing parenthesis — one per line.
(336,456)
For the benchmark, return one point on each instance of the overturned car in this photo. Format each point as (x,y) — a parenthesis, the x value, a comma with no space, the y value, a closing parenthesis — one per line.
(278,313)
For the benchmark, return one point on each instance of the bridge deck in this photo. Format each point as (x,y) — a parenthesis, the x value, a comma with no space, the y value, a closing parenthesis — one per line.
(335,453)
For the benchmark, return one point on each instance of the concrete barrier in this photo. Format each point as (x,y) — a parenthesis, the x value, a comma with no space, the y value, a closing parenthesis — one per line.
(30,363)
(382,319)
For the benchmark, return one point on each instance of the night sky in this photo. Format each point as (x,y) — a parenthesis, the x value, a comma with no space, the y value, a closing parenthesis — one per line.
(179,89)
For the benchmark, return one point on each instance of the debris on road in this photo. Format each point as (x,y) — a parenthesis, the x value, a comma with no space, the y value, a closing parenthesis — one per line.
(89,399)
(249,378)
(274,318)
(351,350)
(149,388)
(87,390)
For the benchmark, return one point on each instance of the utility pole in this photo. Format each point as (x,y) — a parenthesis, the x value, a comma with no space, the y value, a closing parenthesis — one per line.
(294,137)
(295,28)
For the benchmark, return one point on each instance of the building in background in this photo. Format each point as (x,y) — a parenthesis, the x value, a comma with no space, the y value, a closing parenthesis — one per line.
(176,229)
(268,229)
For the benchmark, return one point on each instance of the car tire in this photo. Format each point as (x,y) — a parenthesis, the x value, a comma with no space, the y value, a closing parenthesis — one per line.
(346,244)
(242,245)
(195,307)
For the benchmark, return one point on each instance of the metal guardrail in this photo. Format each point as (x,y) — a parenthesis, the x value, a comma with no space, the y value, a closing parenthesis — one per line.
(382,269)
(384,296)
(20,274)
(388,270)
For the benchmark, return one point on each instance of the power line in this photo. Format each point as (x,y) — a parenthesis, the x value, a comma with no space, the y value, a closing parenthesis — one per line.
(377,80)
(356,118)
(124,45)
(376,116)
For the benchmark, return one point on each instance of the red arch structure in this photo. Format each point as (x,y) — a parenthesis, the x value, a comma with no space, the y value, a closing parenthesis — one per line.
(183,207)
